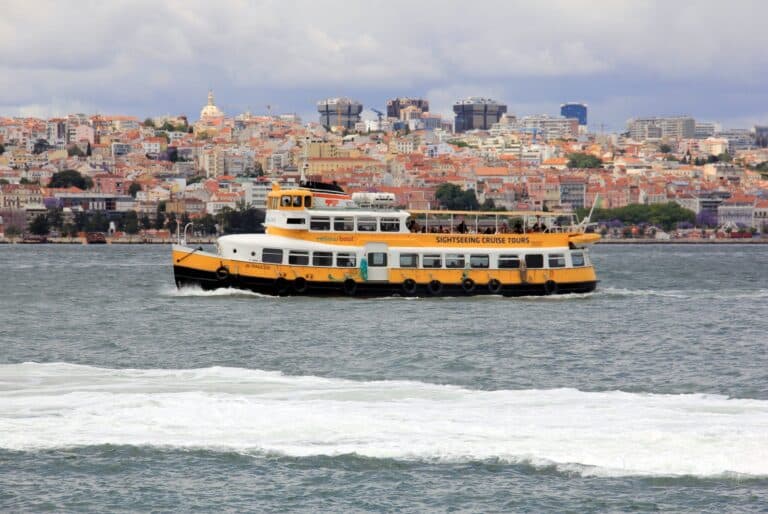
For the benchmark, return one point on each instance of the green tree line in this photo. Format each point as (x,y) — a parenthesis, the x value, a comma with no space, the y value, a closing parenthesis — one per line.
(665,215)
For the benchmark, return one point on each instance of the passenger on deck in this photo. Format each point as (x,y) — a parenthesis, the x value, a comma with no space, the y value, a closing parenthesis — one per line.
(461,228)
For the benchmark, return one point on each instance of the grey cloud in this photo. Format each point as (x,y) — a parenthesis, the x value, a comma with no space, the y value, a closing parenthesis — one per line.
(152,56)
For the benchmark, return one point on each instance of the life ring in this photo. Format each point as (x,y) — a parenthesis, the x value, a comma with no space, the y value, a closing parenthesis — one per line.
(435,287)
(550,287)
(350,287)
(222,273)
(300,285)
(494,286)
(281,286)
(409,286)
(468,285)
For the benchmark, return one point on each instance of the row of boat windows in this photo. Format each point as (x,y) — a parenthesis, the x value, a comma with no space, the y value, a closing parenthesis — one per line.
(349,223)
(291,201)
(425,260)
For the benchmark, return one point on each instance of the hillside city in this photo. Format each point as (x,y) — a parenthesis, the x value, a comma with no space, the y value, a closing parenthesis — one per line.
(61,177)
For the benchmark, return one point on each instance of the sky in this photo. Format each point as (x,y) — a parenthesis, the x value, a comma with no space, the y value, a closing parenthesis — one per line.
(623,58)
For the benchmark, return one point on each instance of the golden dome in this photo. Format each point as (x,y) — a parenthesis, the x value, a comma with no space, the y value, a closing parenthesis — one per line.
(210,110)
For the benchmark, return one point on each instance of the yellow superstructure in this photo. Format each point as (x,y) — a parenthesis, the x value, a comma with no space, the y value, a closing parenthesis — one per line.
(318,242)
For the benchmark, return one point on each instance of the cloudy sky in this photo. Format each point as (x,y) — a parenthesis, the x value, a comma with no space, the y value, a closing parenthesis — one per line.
(624,58)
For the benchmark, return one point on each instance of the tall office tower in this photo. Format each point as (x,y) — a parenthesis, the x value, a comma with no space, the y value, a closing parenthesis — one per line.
(477,113)
(396,105)
(339,112)
(574,110)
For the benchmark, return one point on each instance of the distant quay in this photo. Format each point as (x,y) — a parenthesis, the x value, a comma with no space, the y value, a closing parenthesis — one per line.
(116,241)
(685,241)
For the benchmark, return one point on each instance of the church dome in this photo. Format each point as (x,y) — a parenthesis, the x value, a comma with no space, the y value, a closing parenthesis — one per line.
(210,110)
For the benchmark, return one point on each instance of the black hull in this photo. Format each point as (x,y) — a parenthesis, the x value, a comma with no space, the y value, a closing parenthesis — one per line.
(209,281)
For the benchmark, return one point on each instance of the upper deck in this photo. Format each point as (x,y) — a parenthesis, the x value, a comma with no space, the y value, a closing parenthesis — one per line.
(332,217)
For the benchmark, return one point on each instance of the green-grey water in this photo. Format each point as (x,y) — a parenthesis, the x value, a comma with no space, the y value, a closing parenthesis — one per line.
(120,393)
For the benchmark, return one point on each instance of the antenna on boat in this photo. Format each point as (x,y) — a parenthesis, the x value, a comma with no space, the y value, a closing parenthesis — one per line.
(305,162)
(586,220)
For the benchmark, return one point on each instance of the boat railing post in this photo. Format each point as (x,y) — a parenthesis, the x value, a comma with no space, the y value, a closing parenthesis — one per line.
(184,240)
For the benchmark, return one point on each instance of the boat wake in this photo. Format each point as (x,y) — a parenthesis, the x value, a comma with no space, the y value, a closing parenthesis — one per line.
(734,294)
(612,433)
(193,291)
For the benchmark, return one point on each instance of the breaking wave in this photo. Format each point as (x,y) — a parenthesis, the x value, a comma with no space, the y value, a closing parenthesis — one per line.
(611,433)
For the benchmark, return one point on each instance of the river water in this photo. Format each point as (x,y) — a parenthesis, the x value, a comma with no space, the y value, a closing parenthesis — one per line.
(120,393)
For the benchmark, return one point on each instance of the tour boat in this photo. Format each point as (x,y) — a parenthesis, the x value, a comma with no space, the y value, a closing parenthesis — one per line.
(319,242)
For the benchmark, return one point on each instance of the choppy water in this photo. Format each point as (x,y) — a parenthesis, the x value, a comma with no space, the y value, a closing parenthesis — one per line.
(120,393)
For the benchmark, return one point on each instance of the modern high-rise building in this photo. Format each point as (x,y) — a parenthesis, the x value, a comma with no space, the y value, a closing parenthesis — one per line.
(550,127)
(761,135)
(475,113)
(676,127)
(396,105)
(339,112)
(704,129)
(574,110)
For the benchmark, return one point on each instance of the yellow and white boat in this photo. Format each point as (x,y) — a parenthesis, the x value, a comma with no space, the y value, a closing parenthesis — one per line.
(318,242)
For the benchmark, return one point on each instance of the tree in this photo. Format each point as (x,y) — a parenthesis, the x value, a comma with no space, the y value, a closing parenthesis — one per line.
(75,151)
(206,225)
(97,222)
(665,148)
(40,225)
(2,149)
(453,197)
(131,222)
(665,215)
(242,220)
(69,178)
(12,231)
(88,150)
(149,123)
(160,219)
(146,223)
(40,146)
(724,157)
(55,217)
(68,229)
(134,188)
(583,160)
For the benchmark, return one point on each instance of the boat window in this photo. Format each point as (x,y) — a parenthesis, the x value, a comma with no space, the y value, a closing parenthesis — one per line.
(346,260)
(307,201)
(556,260)
(274,255)
(285,201)
(298,258)
(295,221)
(389,225)
(479,261)
(317,223)
(454,260)
(409,260)
(366,224)
(577,258)
(377,259)
(344,224)
(432,261)
(322,259)
(534,260)
(297,201)
(509,261)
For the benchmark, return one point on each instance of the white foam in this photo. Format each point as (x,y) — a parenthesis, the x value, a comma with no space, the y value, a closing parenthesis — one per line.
(195,291)
(602,433)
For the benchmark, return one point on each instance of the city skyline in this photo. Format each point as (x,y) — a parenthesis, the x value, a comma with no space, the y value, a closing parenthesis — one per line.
(624,60)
